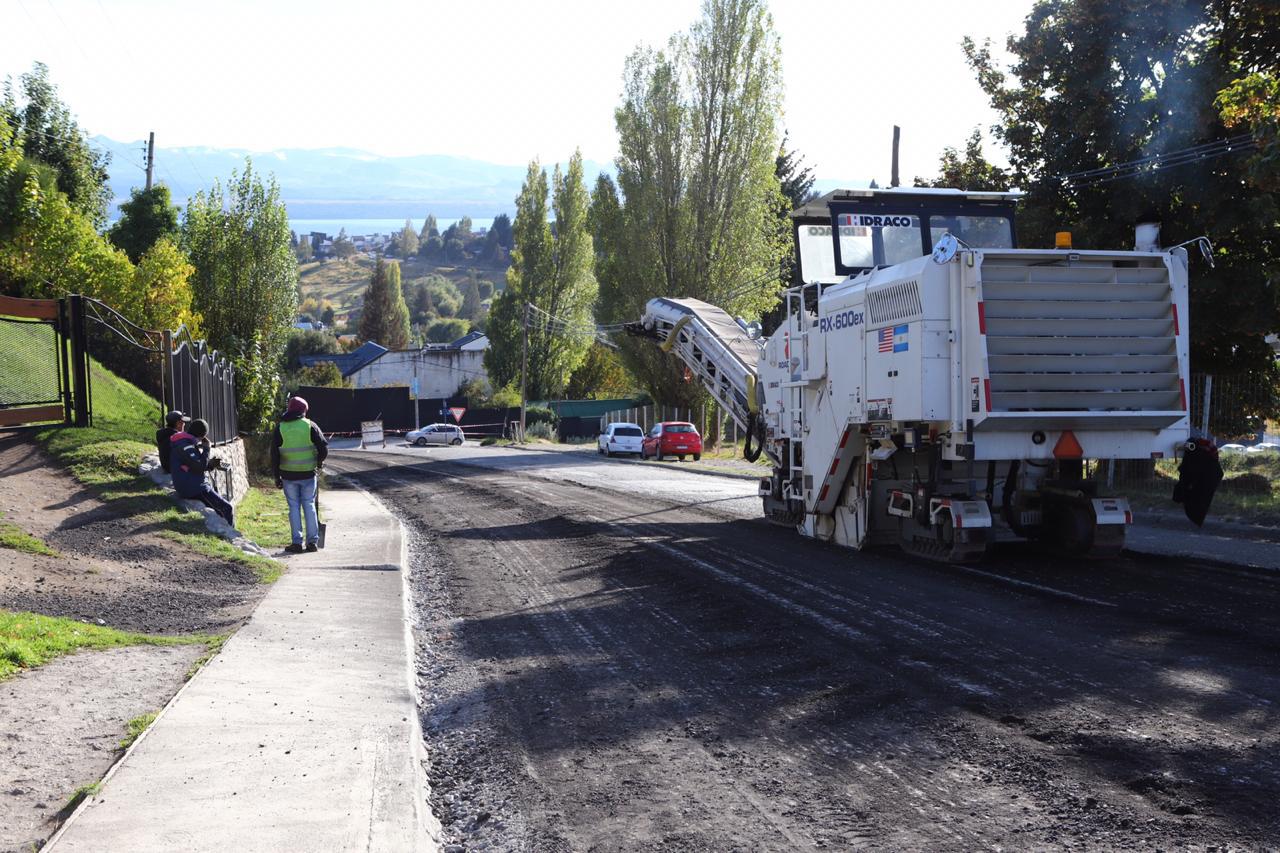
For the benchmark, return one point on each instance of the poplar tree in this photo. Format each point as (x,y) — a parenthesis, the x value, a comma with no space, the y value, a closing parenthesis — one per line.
(554,273)
(696,214)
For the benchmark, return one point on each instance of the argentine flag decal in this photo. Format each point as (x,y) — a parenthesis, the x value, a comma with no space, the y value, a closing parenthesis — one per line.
(900,338)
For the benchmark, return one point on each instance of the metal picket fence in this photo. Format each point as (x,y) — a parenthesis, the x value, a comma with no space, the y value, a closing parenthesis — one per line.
(202,383)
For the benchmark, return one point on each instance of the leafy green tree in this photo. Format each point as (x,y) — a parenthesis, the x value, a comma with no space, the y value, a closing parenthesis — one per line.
(245,282)
(308,342)
(385,317)
(555,275)
(445,296)
(421,306)
(486,288)
(971,172)
(48,132)
(324,374)
(502,230)
(471,309)
(342,245)
(444,331)
(163,298)
(795,178)
(147,216)
(432,248)
(326,316)
(429,229)
(303,250)
(406,242)
(698,143)
(1146,79)
(601,376)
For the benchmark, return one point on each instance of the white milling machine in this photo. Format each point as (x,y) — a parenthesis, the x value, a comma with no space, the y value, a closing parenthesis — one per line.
(930,385)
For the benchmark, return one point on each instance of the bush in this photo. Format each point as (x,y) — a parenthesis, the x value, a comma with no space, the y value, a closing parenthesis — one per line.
(1247,484)
(308,342)
(324,374)
(539,415)
(488,441)
(541,429)
(447,331)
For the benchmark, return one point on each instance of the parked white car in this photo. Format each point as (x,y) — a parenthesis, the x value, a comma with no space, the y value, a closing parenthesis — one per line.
(1264,447)
(435,434)
(1231,448)
(621,438)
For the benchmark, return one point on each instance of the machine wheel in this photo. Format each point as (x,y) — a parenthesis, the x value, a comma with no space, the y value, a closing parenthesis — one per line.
(697,456)
(608,454)
(457,442)
(681,458)
(420,442)
(658,455)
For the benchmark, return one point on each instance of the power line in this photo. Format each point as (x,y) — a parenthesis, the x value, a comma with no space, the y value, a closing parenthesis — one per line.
(1158,162)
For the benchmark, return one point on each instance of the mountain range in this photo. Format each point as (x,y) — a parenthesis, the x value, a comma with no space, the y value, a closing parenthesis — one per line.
(333,183)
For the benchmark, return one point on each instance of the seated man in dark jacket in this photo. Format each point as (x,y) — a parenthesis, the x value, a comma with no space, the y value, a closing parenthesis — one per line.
(188,462)
(175,422)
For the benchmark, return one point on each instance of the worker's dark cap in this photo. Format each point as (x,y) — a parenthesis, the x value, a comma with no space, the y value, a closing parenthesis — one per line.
(174,417)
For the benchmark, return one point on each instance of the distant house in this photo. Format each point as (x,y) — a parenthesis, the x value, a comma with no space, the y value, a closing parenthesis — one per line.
(439,368)
(308,325)
(347,362)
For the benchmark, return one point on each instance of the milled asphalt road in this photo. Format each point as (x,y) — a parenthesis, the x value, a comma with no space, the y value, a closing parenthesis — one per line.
(626,657)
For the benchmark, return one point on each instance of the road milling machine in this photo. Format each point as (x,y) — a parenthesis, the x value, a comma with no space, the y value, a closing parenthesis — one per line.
(933,386)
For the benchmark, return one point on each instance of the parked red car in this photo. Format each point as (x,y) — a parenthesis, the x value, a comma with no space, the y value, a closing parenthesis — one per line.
(672,438)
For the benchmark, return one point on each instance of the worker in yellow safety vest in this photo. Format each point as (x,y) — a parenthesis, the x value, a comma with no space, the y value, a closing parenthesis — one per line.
(298,450)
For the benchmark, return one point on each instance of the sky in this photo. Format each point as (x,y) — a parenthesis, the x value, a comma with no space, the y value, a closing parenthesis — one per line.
(499,81)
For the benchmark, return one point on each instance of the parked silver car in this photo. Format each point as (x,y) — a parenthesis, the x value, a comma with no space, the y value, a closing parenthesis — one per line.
(620,438)
(435,434)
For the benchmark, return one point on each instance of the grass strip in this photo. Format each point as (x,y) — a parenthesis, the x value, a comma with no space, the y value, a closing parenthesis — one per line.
(28,640)
(13,536)
(135,727)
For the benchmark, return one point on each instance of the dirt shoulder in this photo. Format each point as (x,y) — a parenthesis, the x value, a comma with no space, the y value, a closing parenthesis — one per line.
(61,724)
(112,568)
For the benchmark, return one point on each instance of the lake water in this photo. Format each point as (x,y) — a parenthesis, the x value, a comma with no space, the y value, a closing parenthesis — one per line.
(367,227)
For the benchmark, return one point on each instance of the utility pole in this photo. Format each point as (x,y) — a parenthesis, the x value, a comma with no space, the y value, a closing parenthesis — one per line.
(897,132)
(524,367)
(151,157)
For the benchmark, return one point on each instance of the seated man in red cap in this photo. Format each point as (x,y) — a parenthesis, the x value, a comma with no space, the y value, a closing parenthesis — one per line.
(298,449)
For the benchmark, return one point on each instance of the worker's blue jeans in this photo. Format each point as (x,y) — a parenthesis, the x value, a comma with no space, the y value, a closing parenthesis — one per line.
(301,495)
(215,502)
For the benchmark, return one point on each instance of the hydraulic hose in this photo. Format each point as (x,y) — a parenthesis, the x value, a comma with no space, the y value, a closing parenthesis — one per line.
(753,431)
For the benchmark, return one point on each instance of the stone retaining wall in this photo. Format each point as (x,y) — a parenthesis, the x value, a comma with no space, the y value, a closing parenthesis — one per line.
(232,482)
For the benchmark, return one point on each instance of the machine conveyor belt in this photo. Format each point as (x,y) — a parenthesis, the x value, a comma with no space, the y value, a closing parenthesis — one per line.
(717,322)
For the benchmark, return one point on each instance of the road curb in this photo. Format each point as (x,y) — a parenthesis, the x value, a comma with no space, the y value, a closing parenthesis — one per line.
(428,824)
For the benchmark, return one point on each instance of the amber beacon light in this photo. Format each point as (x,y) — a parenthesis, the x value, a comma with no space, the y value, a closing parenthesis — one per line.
(1062,240)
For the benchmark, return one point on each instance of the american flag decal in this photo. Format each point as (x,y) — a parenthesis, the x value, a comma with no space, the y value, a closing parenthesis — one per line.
(885,339)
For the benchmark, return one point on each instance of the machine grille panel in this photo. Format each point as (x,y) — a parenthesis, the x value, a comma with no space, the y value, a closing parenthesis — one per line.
(1093,337)
(894,303)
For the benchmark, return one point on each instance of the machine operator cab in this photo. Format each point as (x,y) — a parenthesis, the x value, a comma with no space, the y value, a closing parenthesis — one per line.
(847,232)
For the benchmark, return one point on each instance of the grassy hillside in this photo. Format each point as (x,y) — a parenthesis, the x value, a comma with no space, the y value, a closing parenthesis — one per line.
(105,457)
(341,281)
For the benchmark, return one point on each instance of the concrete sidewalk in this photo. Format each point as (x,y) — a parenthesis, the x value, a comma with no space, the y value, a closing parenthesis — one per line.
(302,734)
